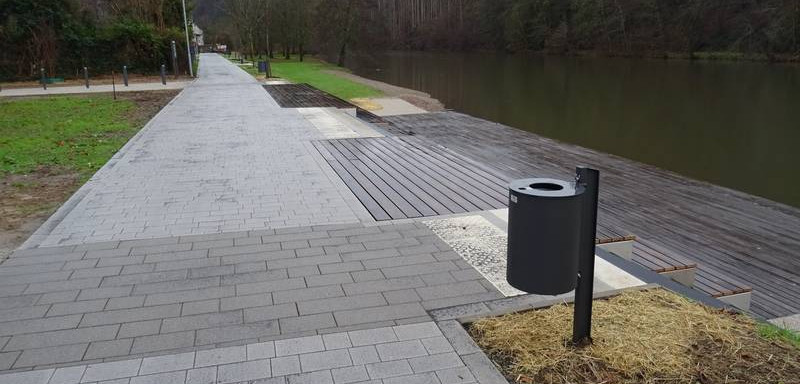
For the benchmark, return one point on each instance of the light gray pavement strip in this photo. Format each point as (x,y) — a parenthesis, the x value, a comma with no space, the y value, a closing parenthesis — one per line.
(223,156)
(105,301)
(100,88)
(407,354)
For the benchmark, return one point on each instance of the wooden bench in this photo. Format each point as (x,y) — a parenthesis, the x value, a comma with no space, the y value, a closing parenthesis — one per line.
(664,261)
(723,287)
(615,241)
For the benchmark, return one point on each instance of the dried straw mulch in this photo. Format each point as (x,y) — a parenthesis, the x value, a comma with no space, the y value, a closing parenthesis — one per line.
(650,336)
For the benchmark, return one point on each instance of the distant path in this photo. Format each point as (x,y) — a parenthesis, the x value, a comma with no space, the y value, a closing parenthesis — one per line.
(209,162)
(103,88)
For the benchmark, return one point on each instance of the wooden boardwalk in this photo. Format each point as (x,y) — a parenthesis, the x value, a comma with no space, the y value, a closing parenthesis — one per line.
(749,238)
(400,178)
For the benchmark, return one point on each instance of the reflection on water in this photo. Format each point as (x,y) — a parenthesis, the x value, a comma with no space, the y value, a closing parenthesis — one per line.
(735,124)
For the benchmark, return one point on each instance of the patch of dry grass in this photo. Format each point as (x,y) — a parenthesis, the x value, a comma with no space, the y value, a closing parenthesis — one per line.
(650,336)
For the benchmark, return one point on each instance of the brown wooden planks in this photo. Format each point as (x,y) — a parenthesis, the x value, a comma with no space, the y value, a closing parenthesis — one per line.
(726,232)
(395,180)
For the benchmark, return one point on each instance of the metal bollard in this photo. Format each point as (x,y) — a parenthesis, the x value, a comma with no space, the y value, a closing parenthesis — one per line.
(163,74)
(125,75)
(582,315)
(44,80)
(86,76)
(174,53)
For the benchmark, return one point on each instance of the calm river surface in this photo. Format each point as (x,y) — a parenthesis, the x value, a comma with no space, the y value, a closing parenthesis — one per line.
(735,124)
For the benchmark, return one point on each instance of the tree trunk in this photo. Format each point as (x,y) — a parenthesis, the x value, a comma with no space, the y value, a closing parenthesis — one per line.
(342,53)
(301,52)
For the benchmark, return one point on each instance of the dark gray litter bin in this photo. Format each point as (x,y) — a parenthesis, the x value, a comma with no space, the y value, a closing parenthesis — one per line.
(544,229)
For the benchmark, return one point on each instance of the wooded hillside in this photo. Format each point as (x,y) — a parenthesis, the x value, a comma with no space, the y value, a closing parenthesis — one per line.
(767,28)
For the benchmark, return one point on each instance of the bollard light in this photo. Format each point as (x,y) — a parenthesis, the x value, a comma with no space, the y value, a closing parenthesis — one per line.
(125,75)
(86,76)
(44,80)
(163,74)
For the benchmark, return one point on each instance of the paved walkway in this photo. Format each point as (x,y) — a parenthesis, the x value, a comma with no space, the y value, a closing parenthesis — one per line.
(221,157)
(102,88)
(217,247)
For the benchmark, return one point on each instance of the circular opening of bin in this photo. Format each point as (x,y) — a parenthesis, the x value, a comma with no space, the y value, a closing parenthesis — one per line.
(546,186)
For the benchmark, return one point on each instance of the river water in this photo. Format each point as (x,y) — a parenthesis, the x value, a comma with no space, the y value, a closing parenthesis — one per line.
(735,124)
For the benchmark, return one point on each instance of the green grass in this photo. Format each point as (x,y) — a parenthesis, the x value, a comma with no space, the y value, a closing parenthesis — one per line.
(312,71)
(771,332)
(78,134)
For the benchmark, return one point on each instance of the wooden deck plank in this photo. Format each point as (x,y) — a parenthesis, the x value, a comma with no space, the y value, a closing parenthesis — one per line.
(364,182)
(749,238)
(429,186)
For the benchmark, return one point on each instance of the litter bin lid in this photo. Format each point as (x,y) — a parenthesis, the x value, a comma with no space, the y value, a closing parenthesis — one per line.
(543,187)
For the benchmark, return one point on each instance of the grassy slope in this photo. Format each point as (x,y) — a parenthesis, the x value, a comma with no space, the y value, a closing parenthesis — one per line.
(313,71)
(75,133)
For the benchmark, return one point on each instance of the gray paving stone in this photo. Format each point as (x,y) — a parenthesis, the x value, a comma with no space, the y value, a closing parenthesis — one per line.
(7,359)
(341,267)
(270,286)
(303,261)
(372,336)
(319,377)
(460,375)
(62,337)
(483,369)
(63,285)
(76,307)
(330,279)
(111,370)
(340,303)
(383,285)
(23,313)
(437,345)
(450,290)
(139,328)
(144,278)
(286,365)
(238,372)
(160,299)
(161,378)
(375,314)
(306,294)
(220,356)
(434,362)
(388,369)
(422,378)
(307,270)
(58,297)
(306,323)
(246,301)
(417,331)
(223,270)
(68,375)
(206,375)
(163,342)
(458,337)
(401,350)
(104,293)
(129,315)
(349,375)
(167,363)
(297,346)
(208,320)
(30,377)
(270,312)
(325,360)
(106,349)
(251,331)
(200,307)
(260,351)
(364,355)
(401,296)
(336,341)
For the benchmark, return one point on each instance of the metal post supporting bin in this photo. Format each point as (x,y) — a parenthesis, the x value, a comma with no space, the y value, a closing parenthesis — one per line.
(552,226)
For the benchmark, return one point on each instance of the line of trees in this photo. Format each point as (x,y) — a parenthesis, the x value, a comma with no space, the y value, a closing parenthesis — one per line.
(768,28)
(63,36)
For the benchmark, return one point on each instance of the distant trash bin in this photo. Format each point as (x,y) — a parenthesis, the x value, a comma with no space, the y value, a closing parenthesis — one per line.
(544,232)
(263,66)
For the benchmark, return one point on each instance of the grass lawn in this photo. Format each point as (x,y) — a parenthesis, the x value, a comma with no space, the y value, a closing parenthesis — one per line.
(50,146)
(78,134)
(314,72)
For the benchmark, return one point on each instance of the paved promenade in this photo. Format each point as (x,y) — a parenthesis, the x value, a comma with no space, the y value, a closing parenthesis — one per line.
(219,247)
(221,157)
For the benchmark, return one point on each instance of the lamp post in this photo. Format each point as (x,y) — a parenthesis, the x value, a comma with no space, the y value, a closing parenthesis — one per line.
(186,30)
